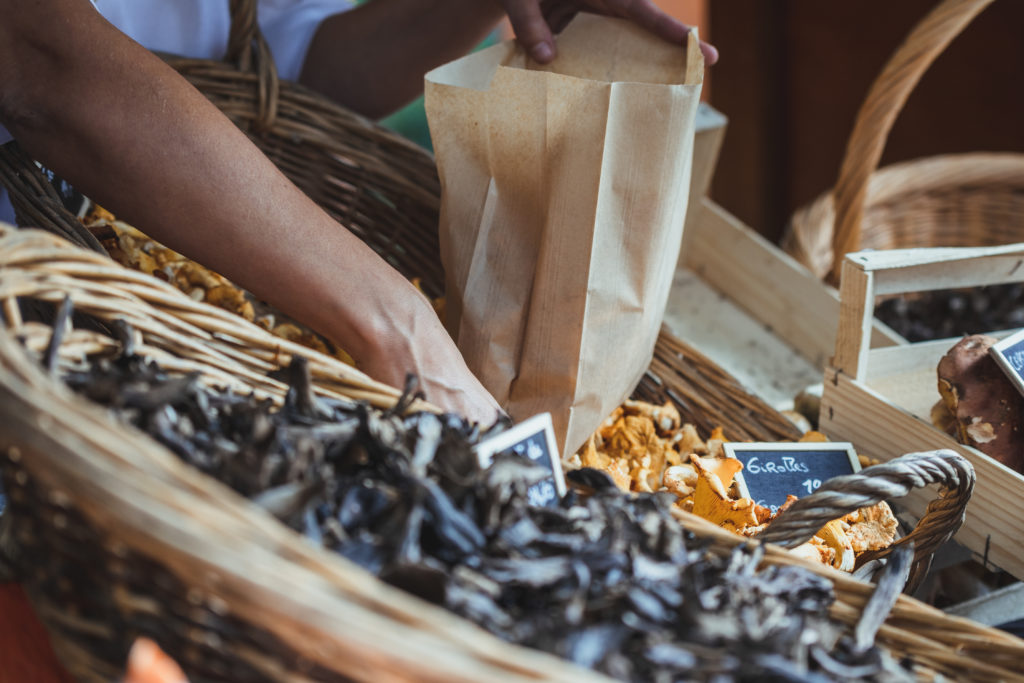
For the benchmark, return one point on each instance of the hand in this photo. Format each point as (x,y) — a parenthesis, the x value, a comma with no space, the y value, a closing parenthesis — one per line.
(415,341)
(534,21)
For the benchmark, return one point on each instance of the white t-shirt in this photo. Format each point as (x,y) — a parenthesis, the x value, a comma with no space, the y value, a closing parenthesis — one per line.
(199,29)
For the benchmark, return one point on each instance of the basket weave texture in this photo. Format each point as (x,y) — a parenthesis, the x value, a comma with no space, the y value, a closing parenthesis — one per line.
(953,200)
(115,536)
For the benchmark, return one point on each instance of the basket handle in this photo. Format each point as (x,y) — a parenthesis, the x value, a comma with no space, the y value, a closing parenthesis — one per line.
(248,50)
(883,104)
(898,477)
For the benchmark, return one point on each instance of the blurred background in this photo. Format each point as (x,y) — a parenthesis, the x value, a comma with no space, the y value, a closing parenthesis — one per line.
(794,72)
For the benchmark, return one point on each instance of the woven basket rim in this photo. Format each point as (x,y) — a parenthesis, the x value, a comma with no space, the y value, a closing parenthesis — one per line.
(174,314)
(937,182)
(193,523)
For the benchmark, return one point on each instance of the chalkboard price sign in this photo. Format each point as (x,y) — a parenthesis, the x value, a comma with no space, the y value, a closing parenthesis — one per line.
(1009,354)
(534,439)
(772,471)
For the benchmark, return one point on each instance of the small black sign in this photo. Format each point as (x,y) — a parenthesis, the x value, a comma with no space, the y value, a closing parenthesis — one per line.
(534,439)
(1009,354)
(772,471)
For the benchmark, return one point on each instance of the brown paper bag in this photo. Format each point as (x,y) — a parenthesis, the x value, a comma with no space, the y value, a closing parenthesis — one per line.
(564,191)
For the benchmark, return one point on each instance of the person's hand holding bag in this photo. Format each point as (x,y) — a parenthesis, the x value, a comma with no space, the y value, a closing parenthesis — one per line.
(534,21)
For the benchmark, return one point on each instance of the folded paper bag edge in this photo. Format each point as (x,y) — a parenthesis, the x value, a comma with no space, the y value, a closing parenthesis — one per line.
(476,70)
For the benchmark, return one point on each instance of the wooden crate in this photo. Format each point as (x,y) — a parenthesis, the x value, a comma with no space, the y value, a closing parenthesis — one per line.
(880,398)
(752,309)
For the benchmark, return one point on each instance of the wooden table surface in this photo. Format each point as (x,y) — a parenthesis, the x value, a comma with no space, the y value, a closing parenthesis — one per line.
(25,652)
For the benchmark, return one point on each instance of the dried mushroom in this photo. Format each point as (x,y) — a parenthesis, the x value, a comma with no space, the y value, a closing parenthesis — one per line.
(712,502)
(835,538)
(871,528)
(133,249)
(639,455)
(606,580)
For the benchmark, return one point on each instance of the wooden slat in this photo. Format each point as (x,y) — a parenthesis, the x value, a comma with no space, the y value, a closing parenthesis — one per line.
(917,270)
(910,357)
(768,284)
(856,308)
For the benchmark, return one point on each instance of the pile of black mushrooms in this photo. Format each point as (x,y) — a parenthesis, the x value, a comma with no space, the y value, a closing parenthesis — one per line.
(608,580)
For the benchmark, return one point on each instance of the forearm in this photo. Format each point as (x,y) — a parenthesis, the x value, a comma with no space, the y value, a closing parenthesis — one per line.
(129,132)
(372,58)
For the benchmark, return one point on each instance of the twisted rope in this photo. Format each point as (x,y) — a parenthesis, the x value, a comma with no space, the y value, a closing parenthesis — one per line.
(841,495)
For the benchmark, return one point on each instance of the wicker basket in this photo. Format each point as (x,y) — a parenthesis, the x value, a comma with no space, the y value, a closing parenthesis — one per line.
(122,539)
(943,201)
(377,184)
(160,548)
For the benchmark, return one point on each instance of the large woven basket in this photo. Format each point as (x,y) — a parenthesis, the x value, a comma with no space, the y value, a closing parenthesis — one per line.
(943,201)
(117,538)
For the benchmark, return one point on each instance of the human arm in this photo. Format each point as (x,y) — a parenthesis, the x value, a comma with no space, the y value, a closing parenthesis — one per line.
(372,58)
(130,132)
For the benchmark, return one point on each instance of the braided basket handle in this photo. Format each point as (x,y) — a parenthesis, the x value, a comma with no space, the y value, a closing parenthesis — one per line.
(249,52)
(840,496)
(883,104)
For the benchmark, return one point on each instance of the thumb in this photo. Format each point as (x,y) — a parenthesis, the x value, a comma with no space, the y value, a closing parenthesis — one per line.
(531,29)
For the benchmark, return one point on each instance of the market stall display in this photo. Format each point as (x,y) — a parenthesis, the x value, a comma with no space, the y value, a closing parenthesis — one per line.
(167,548)
(123,536)
(644,447)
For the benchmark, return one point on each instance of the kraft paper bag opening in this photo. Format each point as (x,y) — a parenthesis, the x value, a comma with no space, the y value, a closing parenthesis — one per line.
(564,192)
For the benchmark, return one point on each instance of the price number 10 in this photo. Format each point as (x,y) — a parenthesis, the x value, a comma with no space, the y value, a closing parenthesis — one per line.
(811,484)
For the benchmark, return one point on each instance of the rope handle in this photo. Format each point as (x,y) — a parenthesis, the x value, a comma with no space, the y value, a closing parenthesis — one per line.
(249,52)
(883,104)
(842,495)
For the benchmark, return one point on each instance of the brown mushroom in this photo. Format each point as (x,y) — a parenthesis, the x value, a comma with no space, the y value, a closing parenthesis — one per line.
(987,407)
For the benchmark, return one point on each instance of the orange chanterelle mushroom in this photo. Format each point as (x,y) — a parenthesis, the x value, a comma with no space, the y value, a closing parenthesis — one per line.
(646,448)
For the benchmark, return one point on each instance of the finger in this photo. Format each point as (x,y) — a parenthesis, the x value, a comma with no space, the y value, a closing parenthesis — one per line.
(647,15)
(710,53)
(531,30)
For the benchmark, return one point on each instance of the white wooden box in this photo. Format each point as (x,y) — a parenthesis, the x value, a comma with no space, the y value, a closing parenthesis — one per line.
(880,398)
(752,309)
